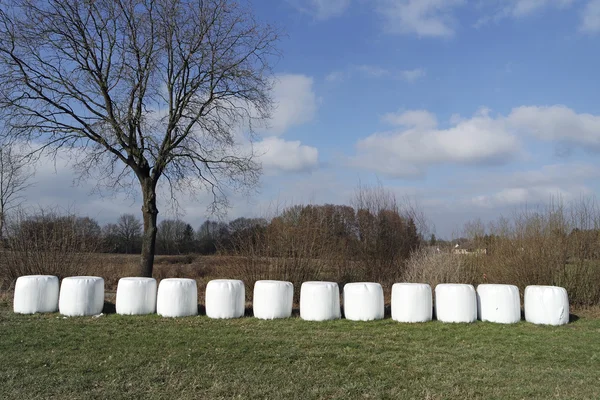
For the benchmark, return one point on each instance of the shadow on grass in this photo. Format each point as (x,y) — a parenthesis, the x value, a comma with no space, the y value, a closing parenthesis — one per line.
(109,308)
(201,309)
(387,312)
(573,318)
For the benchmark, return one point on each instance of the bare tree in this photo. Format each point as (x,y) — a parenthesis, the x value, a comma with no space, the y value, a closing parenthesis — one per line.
(15,176)
(170,234)
(129,230)
(141,89)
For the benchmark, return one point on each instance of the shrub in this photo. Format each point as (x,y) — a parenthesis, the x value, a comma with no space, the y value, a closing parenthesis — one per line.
(47,242)
(427,265)
(552,245)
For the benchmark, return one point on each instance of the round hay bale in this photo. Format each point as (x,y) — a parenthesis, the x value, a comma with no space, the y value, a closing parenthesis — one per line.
(136,296)
(546,305)
(36,294)
(455,303)
(319,301)
(81,296)
(498,303)
(225,298)
(411,302)
(177,297)
(363,301)
(273,299)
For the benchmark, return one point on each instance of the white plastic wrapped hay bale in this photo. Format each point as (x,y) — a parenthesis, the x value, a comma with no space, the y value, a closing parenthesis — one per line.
(411,302)
(498,303)
(546,305)
(136,296)
(177,297)
(363,301)
(225,298)
(36,294)
(81,296)
(455,303)
(319,301)
(273,299)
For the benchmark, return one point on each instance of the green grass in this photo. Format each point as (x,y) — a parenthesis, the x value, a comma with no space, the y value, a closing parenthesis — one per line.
(48,356)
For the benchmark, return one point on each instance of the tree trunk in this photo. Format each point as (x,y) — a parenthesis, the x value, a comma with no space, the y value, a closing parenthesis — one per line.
(1,228)
(150,213)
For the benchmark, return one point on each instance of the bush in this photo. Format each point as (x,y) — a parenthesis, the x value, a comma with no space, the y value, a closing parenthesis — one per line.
(554,245)
(427,265)
(371,242)
(47,243)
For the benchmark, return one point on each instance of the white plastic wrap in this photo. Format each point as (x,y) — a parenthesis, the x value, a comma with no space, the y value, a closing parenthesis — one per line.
(455,303)
(546,305)
(273,299)
(363,301)
(177,297)
(411,302)
(225,298)
(319,301)
(36,294)
(81,295)
(136,296)
(498,303)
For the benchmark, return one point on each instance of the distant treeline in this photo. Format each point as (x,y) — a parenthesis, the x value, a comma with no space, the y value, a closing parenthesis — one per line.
(374,240)
(341,224)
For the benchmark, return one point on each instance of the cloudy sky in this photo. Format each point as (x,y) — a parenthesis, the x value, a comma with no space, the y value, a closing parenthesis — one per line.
(469,107)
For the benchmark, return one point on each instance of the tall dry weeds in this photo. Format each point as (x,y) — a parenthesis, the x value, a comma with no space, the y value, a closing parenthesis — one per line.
(556,244)
(45,242)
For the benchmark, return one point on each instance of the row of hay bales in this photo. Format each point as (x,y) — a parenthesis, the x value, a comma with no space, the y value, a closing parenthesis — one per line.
(319,301)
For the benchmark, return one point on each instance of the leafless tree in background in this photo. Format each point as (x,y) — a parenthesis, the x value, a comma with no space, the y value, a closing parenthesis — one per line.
(170,233)
(129,230)
(47,241)
(140,89)
(15,176)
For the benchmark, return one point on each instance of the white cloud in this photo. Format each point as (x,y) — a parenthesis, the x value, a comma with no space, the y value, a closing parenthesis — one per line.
(336,76)
(564,181)
(591,17)
(295,102)
(432,18)
(515,196)
(553,174)
(376,72)
(533,195)
(419,143)
(278,155)
(373,71)
(321,9)
(435,18)
(412,75)
(558,123)
(520,9)
(415,118)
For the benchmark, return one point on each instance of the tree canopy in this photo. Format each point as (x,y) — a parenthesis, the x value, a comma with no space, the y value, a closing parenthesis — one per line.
(141,89)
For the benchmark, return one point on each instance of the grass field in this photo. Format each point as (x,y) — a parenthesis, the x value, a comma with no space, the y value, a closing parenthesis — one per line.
(116,357)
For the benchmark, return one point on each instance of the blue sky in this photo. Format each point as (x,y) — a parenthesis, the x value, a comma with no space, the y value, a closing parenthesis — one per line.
(470,108)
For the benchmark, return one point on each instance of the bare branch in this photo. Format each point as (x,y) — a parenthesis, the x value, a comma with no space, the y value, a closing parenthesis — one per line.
(15,178)
(140,88)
